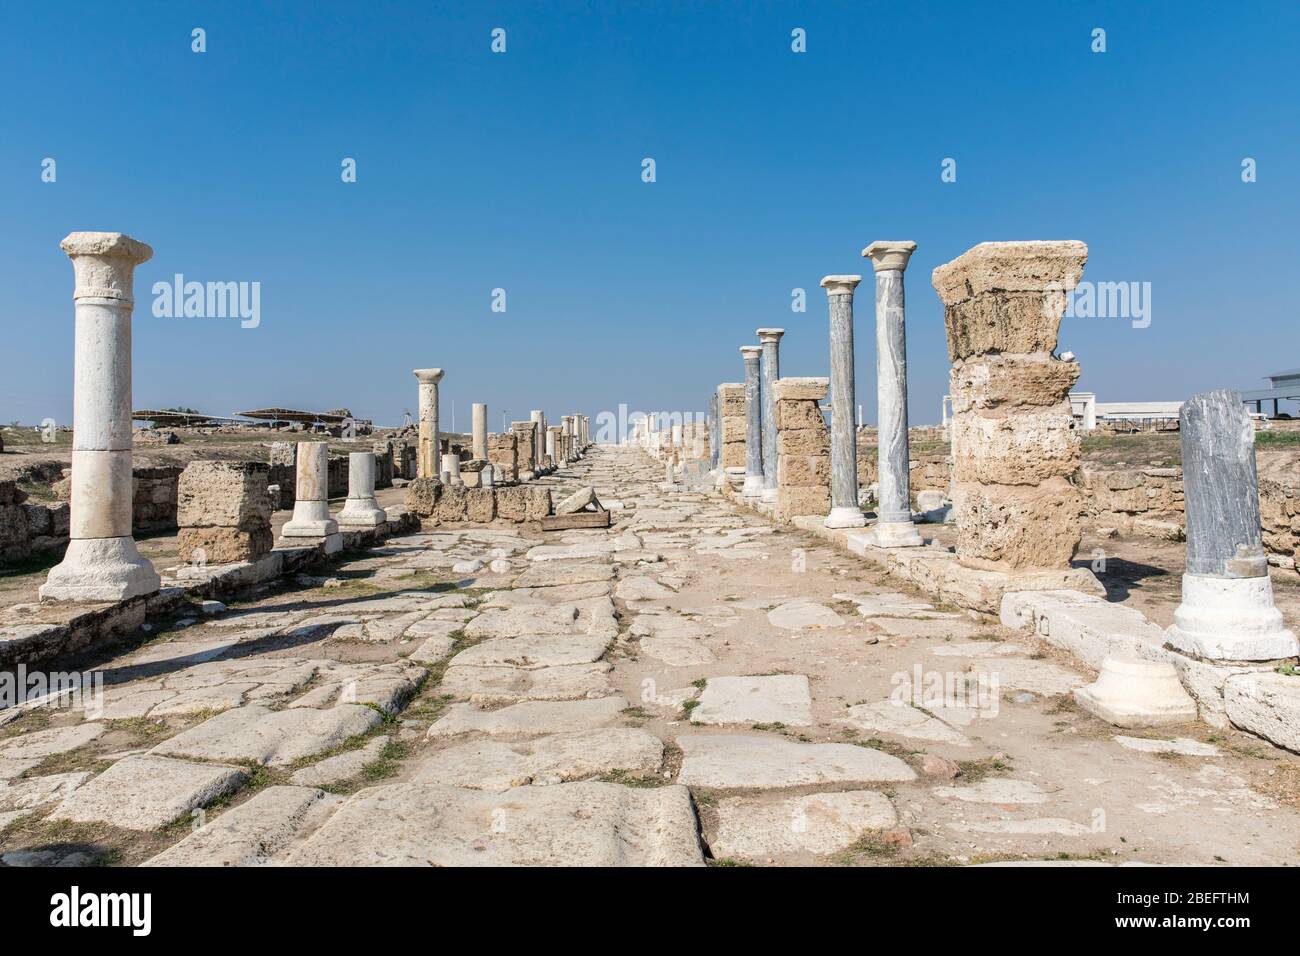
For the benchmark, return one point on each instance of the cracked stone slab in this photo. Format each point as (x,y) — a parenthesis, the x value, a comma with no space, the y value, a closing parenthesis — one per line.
(495,765)
(386,686)
(738,761)
(276,738)
(571,824)
(903,720)
(998,790)
(145,792)
(642,588)
(553,573)
(433,650)
(484,685)
(342,767)
(1041,677)
(780,698)
(529,718)
(40,744)
(755,829)
(252,833)
(33,792)
(533,651)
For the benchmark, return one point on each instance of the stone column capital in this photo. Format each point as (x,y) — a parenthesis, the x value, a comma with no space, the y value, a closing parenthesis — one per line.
(428,376)
(840,285)
(751,351)
(888,255)
(103,263)
(769,335)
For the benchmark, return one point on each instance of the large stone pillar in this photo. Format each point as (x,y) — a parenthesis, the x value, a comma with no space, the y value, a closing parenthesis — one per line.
(361,510)
(1227,611)
(770,341)
(894,527)
(538,418)
(553,443)
(426,462)
(753,423)
(311,506)
(845,512)
(102,562)
(715,432)
(1014,444)
(478,419)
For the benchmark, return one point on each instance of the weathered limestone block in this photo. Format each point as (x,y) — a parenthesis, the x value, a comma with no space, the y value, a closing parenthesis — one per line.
(799,414)
(806,441)
(223,545)
(1022,449)
(480,505)
(803,469)
(1013,439)
(422,496)
(226,494)
(1007,297)
(731,408)
(992,523)
(803,479)
(523,503)
(503,452)
(453,505)
(537,503)
(526,435)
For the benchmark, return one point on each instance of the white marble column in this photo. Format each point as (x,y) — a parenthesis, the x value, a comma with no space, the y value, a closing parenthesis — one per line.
(552,443)
(361,510)
(845,512)
(770,341)
(894,527)
(426,462)
(753,487)
(102,562)
(478,419)
(311,505)
(538,419)
(450,473)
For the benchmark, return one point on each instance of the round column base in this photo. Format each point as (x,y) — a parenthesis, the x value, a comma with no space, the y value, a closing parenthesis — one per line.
(100,569)
(753,487)
(769,494)
(361,513)
(896,534)
(1230,619)
(845,517)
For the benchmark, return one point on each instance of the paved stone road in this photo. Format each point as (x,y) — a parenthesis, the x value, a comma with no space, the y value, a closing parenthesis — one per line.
(688,686)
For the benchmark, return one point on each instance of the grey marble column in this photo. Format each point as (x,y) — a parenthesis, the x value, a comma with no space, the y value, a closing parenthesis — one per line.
(715,432)
(845,512)
(1227,611)
(894,527)
(770,340)
(753,487)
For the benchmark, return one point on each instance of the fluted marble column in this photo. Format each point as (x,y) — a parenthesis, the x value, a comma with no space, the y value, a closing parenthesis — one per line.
(101,562)
(845,512)
(361,510)
(478,421)
(894,527)
(770,341)
(753,487)
(426,461)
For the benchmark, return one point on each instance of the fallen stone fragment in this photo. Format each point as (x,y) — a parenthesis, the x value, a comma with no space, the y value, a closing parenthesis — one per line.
(765,762)
(145,792)
(577,501)
(276,738)
(529,717)
(494,765)
(820,823)
(252,833)
(572,824)
(780,698)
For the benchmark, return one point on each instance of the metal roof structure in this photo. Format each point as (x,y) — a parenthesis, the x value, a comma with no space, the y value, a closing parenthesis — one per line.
(166,417)
(334,417)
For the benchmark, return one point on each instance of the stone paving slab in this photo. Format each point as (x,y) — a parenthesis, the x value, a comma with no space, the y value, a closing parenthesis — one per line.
(552,573)
(341,767)
(768,762)
(533,651)
(494,765)
(903,720)
(820,823)
(571,824)
(145,792)
(252,833)
(508,684)
(276,738)
(39,744)
(522,621)
(781,698)
(529,717)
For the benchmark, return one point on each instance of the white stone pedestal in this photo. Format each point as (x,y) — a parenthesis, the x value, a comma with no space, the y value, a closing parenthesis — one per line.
(101,562)
(895,534)
(311,507)
(1230,619)
(846,518)
(1130,692)
(361,510)
(451,468)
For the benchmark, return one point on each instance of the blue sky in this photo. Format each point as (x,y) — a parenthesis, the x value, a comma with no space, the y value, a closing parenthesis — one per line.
(522,171)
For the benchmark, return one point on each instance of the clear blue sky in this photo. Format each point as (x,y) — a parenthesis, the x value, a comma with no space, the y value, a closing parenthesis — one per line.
(523,171)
